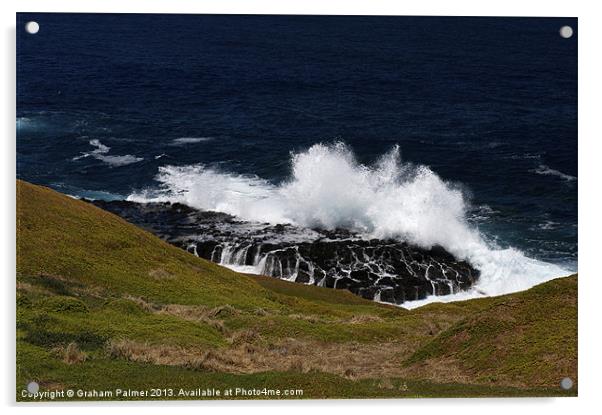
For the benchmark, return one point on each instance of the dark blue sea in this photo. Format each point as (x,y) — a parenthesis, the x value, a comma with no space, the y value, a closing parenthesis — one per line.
(416,127)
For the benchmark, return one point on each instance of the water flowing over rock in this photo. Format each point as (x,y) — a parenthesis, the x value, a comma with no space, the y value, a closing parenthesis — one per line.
(383,270)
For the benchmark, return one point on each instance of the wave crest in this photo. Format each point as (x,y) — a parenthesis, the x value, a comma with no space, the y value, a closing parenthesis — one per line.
(328,188)
(100,153)
(548,171)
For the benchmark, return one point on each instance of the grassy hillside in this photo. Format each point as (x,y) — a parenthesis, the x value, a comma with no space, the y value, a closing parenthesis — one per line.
(525,339)
(102,304)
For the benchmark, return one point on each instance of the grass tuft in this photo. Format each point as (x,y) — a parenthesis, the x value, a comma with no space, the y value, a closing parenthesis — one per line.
(70,354)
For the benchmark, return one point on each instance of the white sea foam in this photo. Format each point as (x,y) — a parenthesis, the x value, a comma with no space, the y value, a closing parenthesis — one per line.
(31,124)
(190,140)
(328,188)
(547,171)
(24,122)
(100,153)
(546,226)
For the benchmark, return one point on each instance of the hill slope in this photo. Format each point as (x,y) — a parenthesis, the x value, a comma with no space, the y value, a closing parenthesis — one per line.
(527,338)
(96,295)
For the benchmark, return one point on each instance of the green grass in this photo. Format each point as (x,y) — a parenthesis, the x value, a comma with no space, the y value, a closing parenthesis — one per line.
(495,343)
(79,242)
(86,277)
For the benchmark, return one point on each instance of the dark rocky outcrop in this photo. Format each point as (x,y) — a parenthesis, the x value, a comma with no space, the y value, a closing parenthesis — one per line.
(383,270)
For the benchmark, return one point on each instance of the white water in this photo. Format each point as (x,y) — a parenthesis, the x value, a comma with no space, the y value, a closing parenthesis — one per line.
(190,140)
(328,188)
(100,153)
(547,171)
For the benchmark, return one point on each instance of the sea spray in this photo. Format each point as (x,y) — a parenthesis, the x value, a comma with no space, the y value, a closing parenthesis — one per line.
(329,189)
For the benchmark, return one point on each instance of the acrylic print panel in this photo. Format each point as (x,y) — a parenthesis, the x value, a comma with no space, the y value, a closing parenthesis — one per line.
(285,207)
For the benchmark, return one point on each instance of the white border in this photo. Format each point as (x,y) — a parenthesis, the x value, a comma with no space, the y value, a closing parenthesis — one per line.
(590,70)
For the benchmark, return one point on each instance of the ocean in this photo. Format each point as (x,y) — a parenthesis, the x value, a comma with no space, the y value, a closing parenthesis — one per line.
(451,131)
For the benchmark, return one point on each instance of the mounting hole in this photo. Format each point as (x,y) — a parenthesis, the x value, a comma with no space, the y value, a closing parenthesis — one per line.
(566,383)
(566,31)
(33,387)
(32,27)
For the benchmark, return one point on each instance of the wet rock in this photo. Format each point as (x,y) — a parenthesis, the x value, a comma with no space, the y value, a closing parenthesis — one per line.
(384,270)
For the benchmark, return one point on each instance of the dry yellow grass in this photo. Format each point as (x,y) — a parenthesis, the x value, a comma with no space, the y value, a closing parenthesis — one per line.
(196,313)
(161,274)
(365,318)
(248,353)
(142,303)
(70,354)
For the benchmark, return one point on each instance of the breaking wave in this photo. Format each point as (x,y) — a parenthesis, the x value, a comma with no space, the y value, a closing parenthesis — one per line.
(547,171)
(189,140)
(100,153)
(329,189)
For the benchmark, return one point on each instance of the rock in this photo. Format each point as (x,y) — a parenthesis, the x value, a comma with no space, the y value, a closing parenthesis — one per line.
(384,270)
